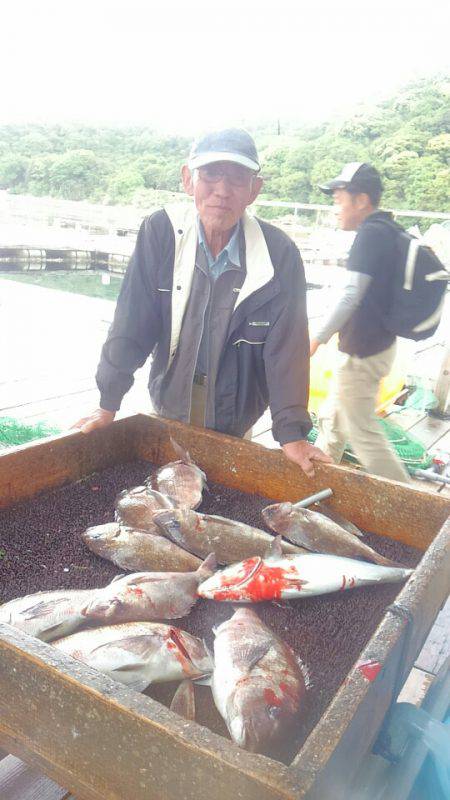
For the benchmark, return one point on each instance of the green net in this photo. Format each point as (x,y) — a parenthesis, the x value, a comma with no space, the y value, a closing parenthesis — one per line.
(13,432)
(412,452)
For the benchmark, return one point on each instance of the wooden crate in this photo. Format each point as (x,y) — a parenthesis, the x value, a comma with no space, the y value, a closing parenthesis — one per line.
(105,742)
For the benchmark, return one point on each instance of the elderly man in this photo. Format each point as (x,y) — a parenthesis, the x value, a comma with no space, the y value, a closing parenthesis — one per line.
(218,298)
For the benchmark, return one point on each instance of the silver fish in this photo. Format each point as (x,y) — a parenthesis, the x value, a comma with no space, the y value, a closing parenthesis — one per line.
(286,577)
(47,615)
(135,507)
(139,653)
(258,683)
(149,595)
(183,701)
(182,481)
(205,533)
(318,533)
(137,551)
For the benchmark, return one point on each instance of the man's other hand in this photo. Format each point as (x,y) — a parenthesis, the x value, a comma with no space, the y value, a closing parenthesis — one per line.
(98,419)
(303,453)
(313,345)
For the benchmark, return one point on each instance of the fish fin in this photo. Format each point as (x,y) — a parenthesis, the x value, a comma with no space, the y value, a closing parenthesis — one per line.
(208,649)
(335,516)
(249,653)
(117,577)
(383,561)
(204,680)
(208,566)
(183,701)
(102,610)
(181,453)
(43,608)
(138,578)
(275,550)
(129,653)
(165,502)
(54,631)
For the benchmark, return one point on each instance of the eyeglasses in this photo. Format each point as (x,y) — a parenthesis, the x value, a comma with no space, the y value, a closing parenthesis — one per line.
(235,174)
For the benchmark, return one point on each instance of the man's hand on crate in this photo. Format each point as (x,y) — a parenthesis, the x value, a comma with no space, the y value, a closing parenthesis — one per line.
(100,418)
(304,454)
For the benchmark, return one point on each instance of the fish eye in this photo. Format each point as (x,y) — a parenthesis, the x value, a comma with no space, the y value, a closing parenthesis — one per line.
(274,712)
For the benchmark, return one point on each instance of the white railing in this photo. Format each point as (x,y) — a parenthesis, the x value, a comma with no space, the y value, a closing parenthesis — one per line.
(317,207)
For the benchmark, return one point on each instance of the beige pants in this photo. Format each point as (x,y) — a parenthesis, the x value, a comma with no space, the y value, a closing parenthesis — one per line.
(348,415)
(198,408)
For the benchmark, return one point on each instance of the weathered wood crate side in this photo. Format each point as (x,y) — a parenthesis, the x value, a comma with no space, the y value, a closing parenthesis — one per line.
(45,464)
(375,504)
(381,506)
(85,731)
(350,725)
(105,742)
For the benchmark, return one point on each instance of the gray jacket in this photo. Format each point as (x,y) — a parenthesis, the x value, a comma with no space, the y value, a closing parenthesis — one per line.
(265,354)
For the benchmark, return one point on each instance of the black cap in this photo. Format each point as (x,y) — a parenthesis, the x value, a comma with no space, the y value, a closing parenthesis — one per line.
(355,177)
(231,144)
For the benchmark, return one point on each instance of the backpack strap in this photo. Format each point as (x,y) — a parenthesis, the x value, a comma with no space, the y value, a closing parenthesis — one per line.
(410,265)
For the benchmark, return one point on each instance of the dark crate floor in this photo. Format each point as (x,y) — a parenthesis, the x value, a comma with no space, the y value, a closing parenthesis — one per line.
(40,549)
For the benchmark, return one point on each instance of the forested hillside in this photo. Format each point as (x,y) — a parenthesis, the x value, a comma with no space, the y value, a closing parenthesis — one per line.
(407,137)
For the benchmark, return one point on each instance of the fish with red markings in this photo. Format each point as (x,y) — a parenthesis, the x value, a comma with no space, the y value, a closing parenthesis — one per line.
(149,595)
(202,534)
(139,653)
(286,577)
(181,481)
(136,550)
(128,598)
(136,507)
(258,683)
(318,533)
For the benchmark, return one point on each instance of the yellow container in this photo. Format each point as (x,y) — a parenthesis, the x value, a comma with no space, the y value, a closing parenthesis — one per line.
(323,365)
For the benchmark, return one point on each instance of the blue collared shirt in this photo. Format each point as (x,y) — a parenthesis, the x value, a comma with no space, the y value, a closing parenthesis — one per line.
(228,258)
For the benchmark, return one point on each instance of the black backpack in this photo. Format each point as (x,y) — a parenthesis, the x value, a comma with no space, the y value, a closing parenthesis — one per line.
(418,289)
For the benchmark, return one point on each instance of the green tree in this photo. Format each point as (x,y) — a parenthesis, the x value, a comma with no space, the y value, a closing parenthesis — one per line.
(13,172)
(124,184)
(76,174)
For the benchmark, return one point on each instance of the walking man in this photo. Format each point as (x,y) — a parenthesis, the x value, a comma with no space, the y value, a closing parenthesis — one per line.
(367,349)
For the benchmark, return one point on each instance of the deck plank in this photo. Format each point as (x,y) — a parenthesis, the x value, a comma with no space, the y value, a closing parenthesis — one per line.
(406,418)
(429,430)
(18,781)
(437,646)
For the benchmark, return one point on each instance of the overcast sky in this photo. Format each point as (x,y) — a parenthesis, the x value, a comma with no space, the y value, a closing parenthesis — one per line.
(183,65)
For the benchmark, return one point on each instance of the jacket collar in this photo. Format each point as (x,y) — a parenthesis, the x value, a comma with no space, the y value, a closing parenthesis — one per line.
(259,267)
